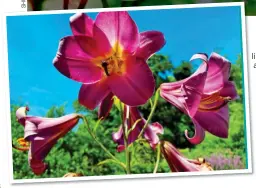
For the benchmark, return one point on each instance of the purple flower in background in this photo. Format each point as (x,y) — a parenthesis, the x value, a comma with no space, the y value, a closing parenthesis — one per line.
(204,96)
(220,162)
(43,133)
(178,163)
(109,56)
(150,134)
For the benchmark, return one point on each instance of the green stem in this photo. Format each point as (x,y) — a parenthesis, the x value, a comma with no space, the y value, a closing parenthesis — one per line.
(125,133)
(100,144)
(158,158)
(151,113)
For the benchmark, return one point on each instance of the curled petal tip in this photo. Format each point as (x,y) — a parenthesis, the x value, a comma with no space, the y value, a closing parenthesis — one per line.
(199,134)
(201,56)
(21,113)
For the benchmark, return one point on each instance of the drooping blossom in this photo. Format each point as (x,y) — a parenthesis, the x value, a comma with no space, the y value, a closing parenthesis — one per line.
(178,163)
(150,134)
(204,96)
(43,133)
(109,56)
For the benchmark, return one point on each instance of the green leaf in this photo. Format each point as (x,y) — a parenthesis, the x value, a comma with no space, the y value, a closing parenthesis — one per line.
(114,3)
(107,161)
(155,2)
(97,125)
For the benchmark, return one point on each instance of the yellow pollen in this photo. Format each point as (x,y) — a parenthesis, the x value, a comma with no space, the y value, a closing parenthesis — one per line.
(113,62)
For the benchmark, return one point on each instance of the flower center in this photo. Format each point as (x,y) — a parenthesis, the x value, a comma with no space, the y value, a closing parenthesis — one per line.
(213,102)
(113,61)
(113,64)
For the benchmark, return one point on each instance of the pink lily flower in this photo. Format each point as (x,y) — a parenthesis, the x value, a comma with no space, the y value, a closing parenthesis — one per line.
(150,133)
(178,163)
(43,133)
(204,96)
(109,56)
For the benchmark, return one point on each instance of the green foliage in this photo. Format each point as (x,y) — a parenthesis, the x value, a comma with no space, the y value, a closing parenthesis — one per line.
(77,151)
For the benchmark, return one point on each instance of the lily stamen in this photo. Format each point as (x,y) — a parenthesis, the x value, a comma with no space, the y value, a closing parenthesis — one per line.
(23,143)
(213,102)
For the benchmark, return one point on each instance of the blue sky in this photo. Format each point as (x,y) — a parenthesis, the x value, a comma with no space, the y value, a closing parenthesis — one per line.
(33,42)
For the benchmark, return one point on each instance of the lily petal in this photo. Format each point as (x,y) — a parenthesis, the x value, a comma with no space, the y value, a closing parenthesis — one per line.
(229,90)
(186,94)
(106,106)
(218,73)
(135,86)
(81,24)
(117,135)
(91,95)
(37,166)
(30,129)
(215,122)
(74,63)
(96,46)
(178,163)
(119,27)
(151,133)
(150,42)
(199,134)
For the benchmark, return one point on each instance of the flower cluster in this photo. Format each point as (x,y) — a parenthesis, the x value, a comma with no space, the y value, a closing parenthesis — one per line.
(108,56)
(220,162)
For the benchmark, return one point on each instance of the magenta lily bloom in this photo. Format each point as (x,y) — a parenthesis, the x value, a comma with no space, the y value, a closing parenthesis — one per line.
(43,133)
(150,133)
(109,56)
(204,96)
(178,163)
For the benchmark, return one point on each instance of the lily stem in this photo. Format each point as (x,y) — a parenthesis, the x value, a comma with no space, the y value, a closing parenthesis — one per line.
(100,144)
(151,113)
(158,158)
(125,133)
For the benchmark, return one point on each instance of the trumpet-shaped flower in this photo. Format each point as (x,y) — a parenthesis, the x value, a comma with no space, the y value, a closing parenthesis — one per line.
(178,163)
(204,96)
(43,133)
(135,118)
(109,56)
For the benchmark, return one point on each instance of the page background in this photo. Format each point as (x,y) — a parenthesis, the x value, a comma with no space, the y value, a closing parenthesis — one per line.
(192,181)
